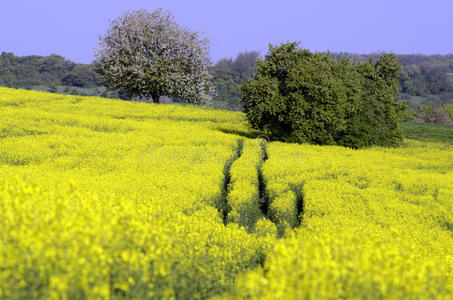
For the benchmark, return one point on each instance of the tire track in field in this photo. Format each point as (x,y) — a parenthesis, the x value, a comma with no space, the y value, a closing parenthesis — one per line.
(300,205)
(264,200)
(263,197)
(223,205)
(298,191)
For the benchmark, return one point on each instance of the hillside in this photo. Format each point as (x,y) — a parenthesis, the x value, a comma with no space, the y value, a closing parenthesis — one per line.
(103,198)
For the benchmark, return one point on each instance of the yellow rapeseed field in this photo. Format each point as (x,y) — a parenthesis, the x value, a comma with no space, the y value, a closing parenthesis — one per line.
(108,199)
(374,224)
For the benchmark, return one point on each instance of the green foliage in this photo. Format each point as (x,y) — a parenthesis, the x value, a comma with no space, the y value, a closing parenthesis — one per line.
(228,74)
(448,108)
(376,122)
(148,55)
(431,113)
(423,78)
(33,70)
(297,96)
(53,88)
(426,78)
(80,76)
(406,113)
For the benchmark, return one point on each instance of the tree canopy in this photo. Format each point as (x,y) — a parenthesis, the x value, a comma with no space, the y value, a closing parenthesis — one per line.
(149,55)
(298,96)
(228,74)
(33,70)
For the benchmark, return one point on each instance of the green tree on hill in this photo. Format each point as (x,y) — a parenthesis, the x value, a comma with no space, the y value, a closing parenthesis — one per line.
(298,96)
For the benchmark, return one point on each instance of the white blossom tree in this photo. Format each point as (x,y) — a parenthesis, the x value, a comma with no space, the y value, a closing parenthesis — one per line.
(148,55)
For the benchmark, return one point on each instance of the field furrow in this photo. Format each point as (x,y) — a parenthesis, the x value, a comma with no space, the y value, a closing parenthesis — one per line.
(224,206)
(375,223)
(244,188)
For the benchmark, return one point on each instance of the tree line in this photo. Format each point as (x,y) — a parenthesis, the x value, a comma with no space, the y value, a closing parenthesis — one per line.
(33,70)
(423,78)
(426,76)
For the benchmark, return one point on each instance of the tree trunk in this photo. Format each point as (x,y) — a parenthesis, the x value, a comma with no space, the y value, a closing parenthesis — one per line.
(156,98)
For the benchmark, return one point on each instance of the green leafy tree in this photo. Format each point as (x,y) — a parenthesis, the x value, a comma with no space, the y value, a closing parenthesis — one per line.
(80,76)
(245,64)
(376,122)
(431,113)
(436,77)
(406,114)
(298,96)
(448,108)
(228,75)
(53,88)
(33,70)
(148,55)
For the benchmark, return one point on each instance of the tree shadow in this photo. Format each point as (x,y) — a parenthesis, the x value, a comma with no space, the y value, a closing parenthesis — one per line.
(251,134)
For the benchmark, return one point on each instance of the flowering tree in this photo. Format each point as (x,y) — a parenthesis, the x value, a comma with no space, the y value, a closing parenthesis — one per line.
(148,55)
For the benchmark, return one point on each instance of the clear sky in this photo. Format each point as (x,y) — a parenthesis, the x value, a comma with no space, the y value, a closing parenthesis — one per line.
(71,28)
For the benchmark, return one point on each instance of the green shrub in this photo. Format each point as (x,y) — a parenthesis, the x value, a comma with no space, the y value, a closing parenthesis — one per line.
(431,113)
(448,108)
(53,88)
(298,96)
(406,114)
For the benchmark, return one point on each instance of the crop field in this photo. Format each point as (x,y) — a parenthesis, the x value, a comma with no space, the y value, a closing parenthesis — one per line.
(108,199)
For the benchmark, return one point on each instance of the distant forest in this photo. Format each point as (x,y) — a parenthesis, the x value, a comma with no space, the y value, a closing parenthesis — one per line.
(424,79)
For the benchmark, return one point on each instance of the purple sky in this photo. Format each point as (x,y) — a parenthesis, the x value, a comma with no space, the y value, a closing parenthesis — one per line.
(71,28)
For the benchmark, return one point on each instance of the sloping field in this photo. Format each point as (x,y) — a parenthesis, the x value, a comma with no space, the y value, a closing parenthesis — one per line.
(375,223)
(110,199)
